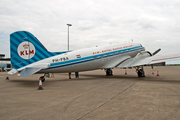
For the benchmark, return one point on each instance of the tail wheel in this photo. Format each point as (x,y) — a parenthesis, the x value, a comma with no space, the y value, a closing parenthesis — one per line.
(42,78)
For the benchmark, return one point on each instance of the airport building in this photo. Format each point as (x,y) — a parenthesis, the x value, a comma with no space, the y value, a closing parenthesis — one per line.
(4,62)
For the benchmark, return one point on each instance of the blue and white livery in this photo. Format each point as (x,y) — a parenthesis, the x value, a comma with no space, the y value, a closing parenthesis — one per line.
(29,56)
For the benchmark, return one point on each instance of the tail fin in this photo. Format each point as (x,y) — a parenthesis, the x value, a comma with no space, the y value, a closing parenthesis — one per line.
(25,49)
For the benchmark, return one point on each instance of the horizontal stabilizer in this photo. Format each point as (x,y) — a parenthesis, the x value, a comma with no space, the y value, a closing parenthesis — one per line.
(13,71)
(33,69)
(29,71)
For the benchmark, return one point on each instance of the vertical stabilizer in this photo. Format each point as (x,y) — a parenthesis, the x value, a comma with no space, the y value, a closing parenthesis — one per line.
(26,49)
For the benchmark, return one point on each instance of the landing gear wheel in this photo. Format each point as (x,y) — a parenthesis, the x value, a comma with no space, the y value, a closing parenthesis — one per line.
(140,71)
(109,72)
(42,78)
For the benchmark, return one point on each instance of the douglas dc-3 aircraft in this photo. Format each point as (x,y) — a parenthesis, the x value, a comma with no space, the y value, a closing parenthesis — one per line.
(29,56)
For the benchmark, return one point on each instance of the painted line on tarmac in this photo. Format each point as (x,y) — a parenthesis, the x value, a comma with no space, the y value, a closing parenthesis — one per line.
(108,100)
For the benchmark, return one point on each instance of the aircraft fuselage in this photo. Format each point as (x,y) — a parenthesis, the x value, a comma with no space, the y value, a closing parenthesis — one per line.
(90,58)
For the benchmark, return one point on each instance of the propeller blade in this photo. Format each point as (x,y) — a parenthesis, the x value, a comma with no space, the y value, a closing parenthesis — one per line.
(156,51)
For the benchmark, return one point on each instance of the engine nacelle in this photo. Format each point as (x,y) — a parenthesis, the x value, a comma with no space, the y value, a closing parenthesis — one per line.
(143,54)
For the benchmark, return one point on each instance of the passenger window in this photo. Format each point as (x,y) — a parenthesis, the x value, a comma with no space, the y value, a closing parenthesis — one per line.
(102,56)
(95,57)
(119,52)
(107,54)
(114,53)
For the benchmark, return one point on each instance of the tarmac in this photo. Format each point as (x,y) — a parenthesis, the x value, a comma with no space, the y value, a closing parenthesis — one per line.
(93,96)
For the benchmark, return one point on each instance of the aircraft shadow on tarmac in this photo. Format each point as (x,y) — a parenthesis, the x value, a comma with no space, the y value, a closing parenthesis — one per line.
(132,77)
(86,77)
(29,82)
(24,83)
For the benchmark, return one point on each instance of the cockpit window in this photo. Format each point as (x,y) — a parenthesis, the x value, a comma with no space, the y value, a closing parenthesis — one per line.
(140,45)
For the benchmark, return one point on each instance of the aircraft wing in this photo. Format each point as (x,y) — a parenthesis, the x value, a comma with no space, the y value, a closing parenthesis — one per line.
(145,60)
(116,61)
(127,61)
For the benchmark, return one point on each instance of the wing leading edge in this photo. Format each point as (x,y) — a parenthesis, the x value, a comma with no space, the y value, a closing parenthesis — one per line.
(147,60)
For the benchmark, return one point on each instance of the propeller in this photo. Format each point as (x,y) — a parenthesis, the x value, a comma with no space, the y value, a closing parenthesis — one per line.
(155,54)
(156,51)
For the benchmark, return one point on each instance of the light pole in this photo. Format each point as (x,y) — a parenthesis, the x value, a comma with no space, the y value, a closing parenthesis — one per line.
(68,34)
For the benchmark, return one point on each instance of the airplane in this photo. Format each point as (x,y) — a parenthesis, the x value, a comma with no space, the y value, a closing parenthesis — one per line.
(29,56)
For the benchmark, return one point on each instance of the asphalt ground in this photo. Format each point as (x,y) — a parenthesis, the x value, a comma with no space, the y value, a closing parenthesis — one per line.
(93,96)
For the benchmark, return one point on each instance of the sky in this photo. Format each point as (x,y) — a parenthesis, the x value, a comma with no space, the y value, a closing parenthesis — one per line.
(153,23)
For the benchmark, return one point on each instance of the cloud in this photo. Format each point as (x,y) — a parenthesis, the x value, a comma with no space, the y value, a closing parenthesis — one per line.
(160,41)
(153,23)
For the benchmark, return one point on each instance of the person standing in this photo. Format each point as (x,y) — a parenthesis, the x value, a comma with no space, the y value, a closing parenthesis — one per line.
(69,75)
(52,74)
(5,69)
(77,74)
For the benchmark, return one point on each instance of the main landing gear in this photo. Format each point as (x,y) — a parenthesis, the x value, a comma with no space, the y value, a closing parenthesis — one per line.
(140,71)
(109,72)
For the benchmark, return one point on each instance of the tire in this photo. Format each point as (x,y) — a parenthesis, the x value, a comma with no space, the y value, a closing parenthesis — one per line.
(42,78)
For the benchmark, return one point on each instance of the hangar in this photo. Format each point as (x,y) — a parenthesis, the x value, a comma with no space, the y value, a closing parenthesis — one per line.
(4,62)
